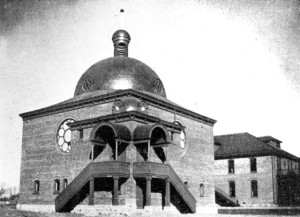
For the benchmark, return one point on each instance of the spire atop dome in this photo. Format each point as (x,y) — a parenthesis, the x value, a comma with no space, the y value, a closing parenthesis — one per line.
(121,39)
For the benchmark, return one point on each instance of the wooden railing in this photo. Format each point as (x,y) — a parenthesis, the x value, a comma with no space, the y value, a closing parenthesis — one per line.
(94,169)
(230,200)
(160,170)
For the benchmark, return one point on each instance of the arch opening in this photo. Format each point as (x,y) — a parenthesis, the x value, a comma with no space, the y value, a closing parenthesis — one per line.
(113,138)
(151,137)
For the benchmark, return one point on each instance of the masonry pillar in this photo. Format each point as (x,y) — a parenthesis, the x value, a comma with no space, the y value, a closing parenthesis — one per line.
(116,191)
(148,191)
(167,193)
(91,193)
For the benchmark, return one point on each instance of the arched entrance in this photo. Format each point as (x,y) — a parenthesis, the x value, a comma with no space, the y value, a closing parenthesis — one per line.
(151,137)
(113,137)
(108,145)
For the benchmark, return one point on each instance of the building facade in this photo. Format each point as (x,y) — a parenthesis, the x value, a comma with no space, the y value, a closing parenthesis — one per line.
(118,142)
(256,171)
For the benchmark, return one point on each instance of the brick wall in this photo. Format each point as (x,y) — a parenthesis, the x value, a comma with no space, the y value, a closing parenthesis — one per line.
(242,178)
(197,165)
(41,159)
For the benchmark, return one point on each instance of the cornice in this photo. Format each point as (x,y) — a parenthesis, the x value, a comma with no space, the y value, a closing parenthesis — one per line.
(68,106)
(256,154)
(122,117)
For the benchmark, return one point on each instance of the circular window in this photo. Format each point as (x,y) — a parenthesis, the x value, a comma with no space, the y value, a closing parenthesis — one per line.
(64,136)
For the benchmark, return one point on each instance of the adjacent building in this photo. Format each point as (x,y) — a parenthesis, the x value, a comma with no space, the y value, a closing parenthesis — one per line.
(255,171)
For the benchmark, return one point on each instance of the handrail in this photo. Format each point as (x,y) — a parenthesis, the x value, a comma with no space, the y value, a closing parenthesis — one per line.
(224,194)
(173,174)
(77,183)
(165,171)
(93,169)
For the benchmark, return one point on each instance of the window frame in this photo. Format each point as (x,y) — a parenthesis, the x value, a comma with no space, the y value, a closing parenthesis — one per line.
(232,192)
(56,186)
(254,188)
(231,167)
(253,159)
(201,189)
(65,183)
(36,186)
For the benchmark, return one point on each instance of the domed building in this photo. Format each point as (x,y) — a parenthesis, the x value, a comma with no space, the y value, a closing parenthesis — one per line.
(118,143)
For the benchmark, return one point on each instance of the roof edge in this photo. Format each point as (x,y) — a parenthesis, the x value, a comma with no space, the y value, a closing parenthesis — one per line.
(98,99)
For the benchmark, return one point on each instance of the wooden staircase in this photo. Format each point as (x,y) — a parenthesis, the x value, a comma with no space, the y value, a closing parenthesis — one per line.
(181,197)
(224,199)
(78,189)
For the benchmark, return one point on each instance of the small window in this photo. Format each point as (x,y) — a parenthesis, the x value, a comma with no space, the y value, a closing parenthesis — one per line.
(254,192)
(201,190)
(65,183)
(81,134)
(232,189)
(253,165)
(230,166)
(56,187)
(36,188)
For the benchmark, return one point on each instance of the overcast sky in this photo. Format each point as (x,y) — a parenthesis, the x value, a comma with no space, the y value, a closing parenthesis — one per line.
(234,61)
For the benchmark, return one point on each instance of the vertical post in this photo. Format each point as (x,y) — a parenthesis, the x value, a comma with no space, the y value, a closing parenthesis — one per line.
(166,153)
(116,152)
(148,152)
(148,191)
(92,152)
(91,193)
(167,193)
(116,191)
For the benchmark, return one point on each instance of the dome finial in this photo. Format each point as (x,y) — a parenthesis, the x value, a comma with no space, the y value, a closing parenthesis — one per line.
(121,39)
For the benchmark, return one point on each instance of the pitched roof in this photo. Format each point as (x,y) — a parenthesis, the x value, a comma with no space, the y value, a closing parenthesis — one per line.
(246,145)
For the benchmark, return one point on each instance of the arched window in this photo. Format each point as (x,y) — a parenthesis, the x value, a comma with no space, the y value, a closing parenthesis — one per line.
(65,183)
(182,136)
(201,190)
(36,187)
(254,188)
(56,187)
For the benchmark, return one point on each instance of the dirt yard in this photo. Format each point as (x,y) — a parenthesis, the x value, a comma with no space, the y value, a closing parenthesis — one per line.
(17,213)
(9,212)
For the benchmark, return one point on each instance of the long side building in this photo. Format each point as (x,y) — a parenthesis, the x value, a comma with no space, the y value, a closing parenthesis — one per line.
(255,171)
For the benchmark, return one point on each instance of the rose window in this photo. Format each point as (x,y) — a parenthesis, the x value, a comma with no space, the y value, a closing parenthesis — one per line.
(64,136)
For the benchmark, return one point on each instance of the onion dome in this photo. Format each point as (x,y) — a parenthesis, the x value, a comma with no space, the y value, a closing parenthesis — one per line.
(120,72)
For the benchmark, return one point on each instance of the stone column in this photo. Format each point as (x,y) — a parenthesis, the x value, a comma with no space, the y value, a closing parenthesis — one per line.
(91,193)
(148,191)
(116,191)
(167,193)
